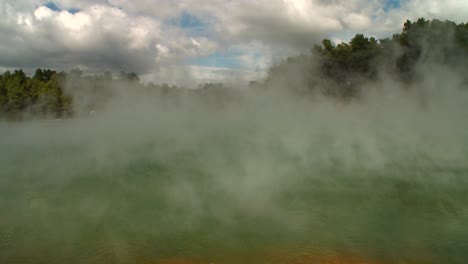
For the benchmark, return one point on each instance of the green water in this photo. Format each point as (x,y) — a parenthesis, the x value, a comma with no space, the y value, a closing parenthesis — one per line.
(231,191)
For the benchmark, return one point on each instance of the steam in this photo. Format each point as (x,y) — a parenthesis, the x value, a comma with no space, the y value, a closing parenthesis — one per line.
(160,167)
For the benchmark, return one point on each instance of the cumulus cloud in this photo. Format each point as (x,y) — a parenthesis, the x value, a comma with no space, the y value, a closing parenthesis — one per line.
(296,23)
(387,22)
(144,35)
(357,21)
(96,37)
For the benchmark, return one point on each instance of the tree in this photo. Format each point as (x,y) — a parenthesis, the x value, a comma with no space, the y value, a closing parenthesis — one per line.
(39,75)
(16,91)
(3,92)
(132,77)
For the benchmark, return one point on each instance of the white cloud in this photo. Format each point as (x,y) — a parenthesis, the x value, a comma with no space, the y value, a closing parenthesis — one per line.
(42,13)
(98,37)
(449,9)
(357,21)
(386,23)
(137,35)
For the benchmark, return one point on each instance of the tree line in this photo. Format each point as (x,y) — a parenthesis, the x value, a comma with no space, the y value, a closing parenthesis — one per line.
(52,94)
(341,70)
(336,70)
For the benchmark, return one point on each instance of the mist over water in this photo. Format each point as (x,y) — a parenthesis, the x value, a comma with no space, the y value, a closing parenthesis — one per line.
(270,178)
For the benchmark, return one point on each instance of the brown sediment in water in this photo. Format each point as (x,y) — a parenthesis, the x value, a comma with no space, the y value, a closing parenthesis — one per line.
(346,259)
(276,259)
(171,260)
(281,260)
(290,257)
(306,258)
(180,260)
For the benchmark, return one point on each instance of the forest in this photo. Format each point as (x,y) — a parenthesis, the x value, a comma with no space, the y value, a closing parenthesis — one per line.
(334,70)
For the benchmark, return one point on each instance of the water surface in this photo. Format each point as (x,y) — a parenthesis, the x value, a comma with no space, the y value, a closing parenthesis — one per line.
(233,190)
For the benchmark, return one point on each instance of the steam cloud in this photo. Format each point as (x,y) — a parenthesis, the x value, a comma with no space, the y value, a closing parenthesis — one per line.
(146,172)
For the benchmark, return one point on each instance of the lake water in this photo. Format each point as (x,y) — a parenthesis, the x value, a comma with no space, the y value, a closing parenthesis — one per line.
(233,191)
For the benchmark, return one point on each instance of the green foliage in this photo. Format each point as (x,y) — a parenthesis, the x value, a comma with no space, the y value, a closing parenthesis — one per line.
(40,95)
(16,91)
(342,69)
(131,77)
(48,94)
(345,63)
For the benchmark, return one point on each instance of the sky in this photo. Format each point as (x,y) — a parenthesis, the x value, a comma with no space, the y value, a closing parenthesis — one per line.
(186,41)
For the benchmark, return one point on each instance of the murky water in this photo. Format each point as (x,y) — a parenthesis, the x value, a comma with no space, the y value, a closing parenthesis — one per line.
(227,192)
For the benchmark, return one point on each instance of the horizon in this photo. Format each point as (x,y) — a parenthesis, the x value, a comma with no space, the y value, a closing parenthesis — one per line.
(182,42)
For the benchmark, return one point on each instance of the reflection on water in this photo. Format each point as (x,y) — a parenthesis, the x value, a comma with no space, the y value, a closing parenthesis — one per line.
(229,196)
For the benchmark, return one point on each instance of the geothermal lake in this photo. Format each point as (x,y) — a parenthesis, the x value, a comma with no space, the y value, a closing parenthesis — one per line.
(176,188)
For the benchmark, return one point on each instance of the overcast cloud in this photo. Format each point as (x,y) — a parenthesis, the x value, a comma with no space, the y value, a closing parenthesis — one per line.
(178,41)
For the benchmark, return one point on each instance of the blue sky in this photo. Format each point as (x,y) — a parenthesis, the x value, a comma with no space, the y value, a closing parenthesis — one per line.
(196,27)
(391,4)
(191,24)
(54,7)
(228,59)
